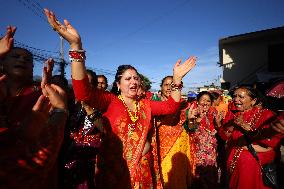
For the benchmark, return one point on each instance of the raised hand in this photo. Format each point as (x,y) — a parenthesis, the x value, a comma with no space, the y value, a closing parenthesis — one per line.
(66,31)
(218,119)
(41,113)
(180,70)
(192,112)
(57,96)
(55,99)
(46,74)
(7,41)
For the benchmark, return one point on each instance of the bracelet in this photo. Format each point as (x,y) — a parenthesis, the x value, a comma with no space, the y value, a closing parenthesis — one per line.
(78,50)
(77,55)
(59,110)
(76,60)
(176,87)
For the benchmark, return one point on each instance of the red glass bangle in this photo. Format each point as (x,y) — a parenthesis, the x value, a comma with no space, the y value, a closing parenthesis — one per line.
(77,55)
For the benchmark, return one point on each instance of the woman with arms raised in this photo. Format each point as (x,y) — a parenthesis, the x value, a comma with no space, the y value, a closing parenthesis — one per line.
(125,159)
(32,120)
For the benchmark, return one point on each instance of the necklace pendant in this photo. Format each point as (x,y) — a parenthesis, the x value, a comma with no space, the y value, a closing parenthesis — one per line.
(131,127)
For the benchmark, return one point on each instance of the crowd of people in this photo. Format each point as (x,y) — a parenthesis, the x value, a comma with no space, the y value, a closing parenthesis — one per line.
(53,135)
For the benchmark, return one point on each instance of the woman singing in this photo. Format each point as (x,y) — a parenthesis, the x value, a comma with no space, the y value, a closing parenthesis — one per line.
(124,160)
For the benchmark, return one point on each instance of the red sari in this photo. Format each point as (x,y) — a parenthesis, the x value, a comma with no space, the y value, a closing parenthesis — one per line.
(244,170)
(28,145)
(121,164)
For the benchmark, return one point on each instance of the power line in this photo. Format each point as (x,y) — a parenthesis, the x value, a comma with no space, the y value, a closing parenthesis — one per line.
(34,7)
(30,47)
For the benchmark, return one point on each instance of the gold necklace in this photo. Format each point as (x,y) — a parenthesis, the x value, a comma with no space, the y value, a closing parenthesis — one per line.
(134,117)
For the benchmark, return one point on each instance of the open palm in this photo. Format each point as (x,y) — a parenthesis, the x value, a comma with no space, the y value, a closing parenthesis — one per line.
(180,70)
(66,31)
(7,41)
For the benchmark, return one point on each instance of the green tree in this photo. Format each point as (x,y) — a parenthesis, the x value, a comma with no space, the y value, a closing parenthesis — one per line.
(145,82)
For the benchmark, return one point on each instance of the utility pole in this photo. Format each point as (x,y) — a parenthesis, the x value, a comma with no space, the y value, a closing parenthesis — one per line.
(62,62)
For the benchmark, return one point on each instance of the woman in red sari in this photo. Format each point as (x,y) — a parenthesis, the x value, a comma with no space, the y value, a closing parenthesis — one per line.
(251,120)
(124,161)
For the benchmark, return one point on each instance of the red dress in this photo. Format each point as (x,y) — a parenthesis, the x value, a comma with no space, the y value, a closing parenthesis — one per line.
(121,164)
(243,168)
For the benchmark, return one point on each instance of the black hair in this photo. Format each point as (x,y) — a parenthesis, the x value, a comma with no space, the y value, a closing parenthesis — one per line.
(21,48)
(94,80)
(163,80)
(18,48)
(215,95)
(61,81)
(252,92)
(120,70)
(105,78)
(204,93)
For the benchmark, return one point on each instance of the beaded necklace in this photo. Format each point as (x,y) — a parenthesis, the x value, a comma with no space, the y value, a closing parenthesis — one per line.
(134,117)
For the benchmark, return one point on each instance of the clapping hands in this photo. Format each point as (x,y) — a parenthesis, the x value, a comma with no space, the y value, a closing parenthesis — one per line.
(193,112)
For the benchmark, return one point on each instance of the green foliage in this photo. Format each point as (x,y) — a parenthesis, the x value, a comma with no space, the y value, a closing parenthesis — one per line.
(145,82)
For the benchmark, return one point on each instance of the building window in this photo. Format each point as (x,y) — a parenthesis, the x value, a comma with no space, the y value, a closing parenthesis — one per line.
(276,58)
